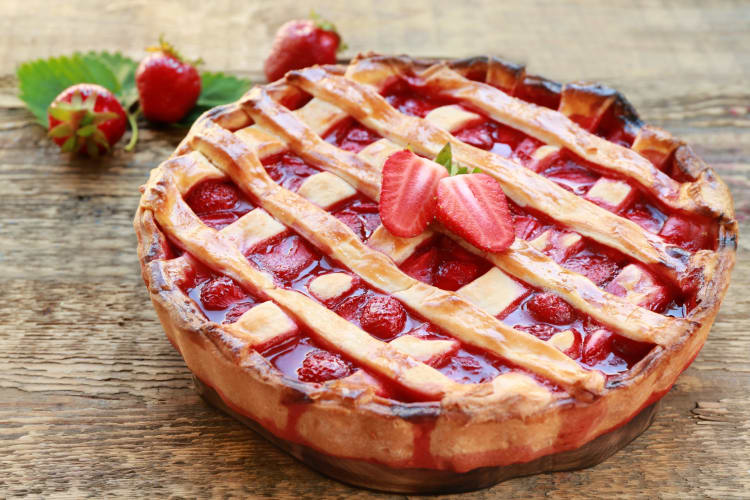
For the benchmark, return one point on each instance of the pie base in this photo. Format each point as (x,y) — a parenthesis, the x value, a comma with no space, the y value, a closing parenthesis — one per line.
(375,476)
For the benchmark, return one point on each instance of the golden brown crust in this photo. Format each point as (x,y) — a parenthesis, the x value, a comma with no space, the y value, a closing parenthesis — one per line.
(490,425)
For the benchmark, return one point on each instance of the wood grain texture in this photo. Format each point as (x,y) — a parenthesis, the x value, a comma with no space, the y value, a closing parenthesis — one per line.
(93,399)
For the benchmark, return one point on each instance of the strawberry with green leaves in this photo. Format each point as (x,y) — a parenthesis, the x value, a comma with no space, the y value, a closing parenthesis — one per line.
(168,86)
(101,79)
(86,118)
(301,43)
(415,191)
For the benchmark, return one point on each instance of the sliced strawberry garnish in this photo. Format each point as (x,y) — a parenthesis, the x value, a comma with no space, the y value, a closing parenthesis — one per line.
(454,274)
(474,207)
(383,317)
(319,366)
(220,293)
(407,195)
(550,308)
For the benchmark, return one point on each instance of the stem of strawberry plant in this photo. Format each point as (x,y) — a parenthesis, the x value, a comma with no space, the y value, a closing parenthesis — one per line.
(133,119)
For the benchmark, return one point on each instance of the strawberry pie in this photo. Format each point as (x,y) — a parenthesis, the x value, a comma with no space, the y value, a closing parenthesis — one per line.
(424,276)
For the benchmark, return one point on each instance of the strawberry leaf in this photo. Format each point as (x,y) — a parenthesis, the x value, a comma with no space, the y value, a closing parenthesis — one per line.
(216,89)
(40,81)
(124,70)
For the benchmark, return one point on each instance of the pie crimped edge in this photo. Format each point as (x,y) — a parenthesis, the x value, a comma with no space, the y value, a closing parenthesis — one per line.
(466,430)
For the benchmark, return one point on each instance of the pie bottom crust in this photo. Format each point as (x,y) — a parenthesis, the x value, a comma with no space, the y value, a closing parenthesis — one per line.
(432,481)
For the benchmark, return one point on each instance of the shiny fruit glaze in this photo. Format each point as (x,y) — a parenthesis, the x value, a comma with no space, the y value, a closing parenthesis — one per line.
(351,136)
(439,261)
(217,203)
(445,264)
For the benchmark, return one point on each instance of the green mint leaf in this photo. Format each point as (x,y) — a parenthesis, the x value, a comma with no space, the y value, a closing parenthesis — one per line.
(41,80)
(445,157)
(216,89)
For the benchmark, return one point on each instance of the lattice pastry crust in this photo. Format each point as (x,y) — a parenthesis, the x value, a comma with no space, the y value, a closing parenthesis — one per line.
(510,419)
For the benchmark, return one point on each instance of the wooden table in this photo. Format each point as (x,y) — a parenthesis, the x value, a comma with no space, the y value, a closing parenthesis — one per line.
(93,399)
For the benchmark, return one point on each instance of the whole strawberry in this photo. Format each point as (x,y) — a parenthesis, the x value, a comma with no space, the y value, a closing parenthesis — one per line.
(301,43)
(168,86)
(86,118)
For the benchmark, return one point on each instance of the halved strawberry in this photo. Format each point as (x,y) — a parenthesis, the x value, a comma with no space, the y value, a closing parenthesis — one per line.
(407,195)
(474,207)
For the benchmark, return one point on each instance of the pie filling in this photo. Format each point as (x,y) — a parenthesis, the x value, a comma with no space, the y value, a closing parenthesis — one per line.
(436,259)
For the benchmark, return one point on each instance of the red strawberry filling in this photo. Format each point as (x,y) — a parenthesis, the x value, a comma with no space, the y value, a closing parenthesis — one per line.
(453,274)
(444,264)
(551,309)
(221,292)
(360,216)
(689,233)
(217,203)
(597,268)
(382,316)
(286,259)
(422,266)
(411,101)
(352,136)
(319,366)
(288,170)
(212,196)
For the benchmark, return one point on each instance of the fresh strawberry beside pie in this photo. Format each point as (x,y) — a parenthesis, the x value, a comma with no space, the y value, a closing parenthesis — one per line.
(410,321)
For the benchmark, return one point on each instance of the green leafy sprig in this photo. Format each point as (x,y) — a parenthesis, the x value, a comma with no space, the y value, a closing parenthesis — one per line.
(445,158)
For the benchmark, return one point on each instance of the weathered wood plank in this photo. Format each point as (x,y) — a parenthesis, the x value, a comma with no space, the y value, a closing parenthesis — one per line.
(93,399)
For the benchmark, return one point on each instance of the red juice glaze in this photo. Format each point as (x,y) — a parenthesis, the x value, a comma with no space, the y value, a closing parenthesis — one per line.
(431,261)
(465,366)
(412,100)
(443,263)
(350,135)
(294,262)
(198,277)
(614,129)
(359,213)
(218,212)
(288,170)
